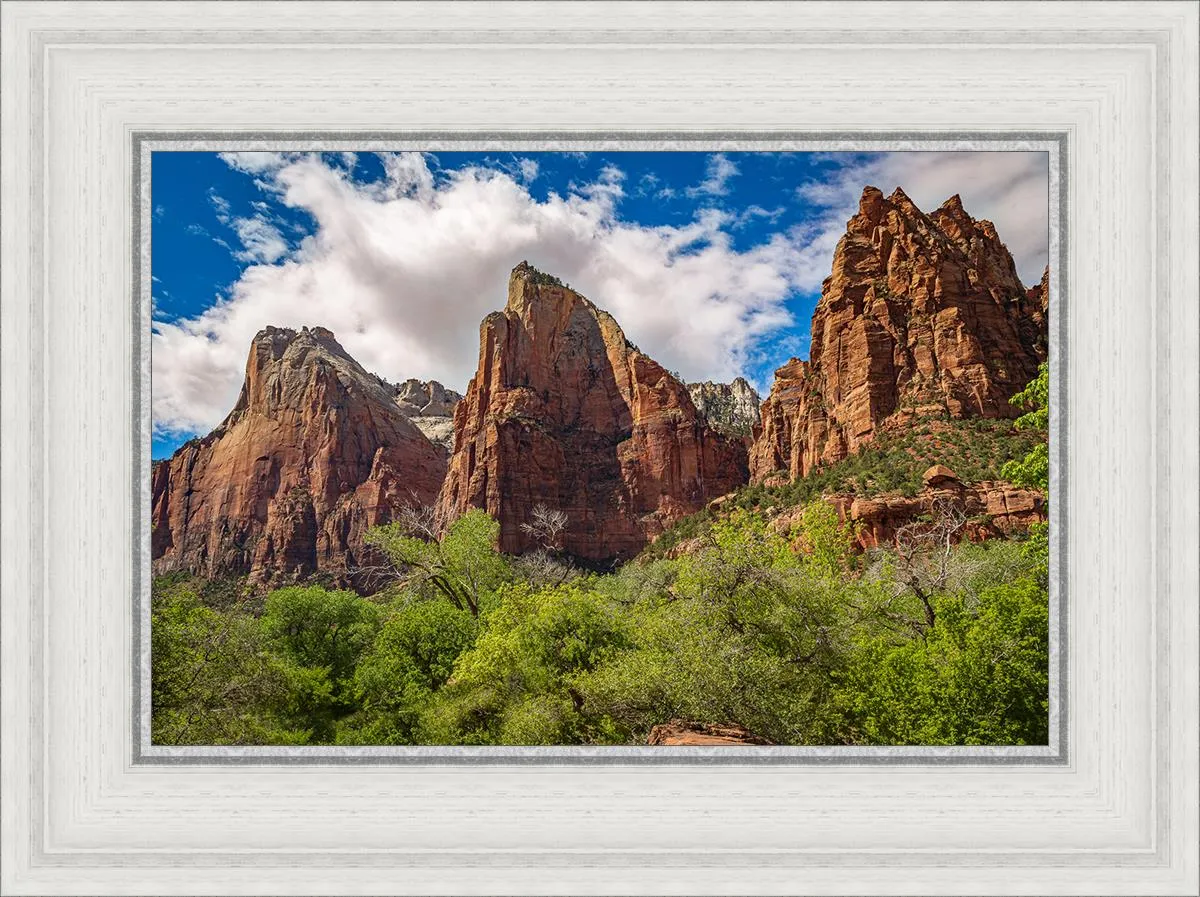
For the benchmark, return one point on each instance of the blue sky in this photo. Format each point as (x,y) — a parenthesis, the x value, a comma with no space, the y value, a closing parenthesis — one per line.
(711,262)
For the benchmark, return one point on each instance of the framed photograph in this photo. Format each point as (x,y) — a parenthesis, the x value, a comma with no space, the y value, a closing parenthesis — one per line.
(600,448)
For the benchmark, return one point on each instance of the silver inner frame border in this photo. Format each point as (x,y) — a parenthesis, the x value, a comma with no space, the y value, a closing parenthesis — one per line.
(144,143)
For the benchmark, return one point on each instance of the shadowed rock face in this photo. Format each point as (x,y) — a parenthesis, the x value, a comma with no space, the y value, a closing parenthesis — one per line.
(314,452)
(922,314)
(564,411)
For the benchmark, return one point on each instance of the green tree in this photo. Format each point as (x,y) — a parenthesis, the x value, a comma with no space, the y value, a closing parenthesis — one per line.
(317,637)
(977,677)
(828,543)
(395,681)
(212,682)
(1033,470)
(462,566)
(746,632)
(516,685)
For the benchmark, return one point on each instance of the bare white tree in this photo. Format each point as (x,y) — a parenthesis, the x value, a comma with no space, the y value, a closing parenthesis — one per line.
(545,526)
(924,550)
(544,566)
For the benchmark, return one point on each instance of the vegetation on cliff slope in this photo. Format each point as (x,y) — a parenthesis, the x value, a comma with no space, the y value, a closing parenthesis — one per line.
(976,449)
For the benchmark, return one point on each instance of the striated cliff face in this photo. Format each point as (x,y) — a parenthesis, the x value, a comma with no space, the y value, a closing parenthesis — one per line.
(315,451)
(730,408)
(564,411)
(922,315)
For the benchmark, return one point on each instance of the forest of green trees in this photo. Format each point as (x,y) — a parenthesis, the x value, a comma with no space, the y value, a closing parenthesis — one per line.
(933,641)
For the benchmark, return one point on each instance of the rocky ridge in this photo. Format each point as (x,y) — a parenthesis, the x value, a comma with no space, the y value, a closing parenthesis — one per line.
(730,408)
(430,406)
(991,509)
(314,453)
(923,316)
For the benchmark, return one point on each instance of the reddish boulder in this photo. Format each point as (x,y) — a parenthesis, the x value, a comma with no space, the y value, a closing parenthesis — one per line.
(922,315)
(680,732)
(314,452)
(565,412)
(939,475)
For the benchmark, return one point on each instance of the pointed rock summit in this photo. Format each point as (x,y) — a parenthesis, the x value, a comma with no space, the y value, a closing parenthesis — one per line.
(922,314)
(315,451)
(565,412)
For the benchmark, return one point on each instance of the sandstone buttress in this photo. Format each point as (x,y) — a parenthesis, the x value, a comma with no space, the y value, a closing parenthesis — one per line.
(315,451)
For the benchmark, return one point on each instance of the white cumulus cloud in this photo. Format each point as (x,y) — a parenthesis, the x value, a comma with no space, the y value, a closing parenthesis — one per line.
(403,270)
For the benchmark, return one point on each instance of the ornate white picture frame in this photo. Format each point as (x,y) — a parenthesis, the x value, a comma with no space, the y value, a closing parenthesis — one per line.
(1109,90)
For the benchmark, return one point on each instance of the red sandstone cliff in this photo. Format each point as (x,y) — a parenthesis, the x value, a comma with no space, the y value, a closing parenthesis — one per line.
(922,314)
(314,452)
(564,411)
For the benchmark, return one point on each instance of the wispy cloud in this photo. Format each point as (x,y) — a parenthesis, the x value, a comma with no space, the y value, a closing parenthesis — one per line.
(754,213)
(521,169)
(220,205)
(261,241)
(529,169)
(719,170)
(257,162)
(647,184)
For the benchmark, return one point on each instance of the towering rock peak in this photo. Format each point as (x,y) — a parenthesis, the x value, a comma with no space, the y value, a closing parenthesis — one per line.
(953,206)
(921,315)
(547,306)
(565,412)
(899,199)
(870,204)
(525,286)
(314,452)
(730,408)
